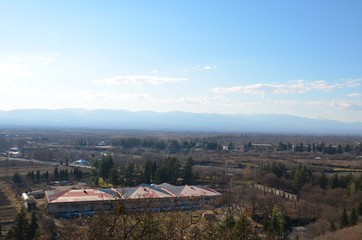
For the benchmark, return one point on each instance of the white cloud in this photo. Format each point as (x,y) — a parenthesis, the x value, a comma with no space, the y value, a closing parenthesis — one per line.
(292,87)
(12,70)
(342,104)
(196,100)
(135,96)
(139,80)
(349,105)
(42,60)
(211,102)
(208,67)
(289,103)
(193,100)
(354,95)
(200,67)
(91,95)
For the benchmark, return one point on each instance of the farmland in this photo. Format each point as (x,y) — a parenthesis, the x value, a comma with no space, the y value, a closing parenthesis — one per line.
(315,169)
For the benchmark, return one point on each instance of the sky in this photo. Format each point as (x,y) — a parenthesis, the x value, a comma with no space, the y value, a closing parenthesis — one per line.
(301,58)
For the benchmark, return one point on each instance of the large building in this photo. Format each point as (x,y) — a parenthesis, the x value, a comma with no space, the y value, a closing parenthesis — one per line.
(145,197)
(74,202)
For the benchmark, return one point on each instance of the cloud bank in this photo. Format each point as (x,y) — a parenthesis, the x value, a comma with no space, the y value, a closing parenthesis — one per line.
(291,87)
(139,80)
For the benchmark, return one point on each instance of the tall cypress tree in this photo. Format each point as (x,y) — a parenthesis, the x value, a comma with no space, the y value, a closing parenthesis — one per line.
(33,232)
(37,176)
(354,217)
(344,219)
(187,171)
(19,230)
(1,231)
(56,173)
(243,227)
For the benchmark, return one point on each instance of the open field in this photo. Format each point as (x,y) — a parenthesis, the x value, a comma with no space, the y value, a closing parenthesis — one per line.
(9,166)
(9,204)
(270,160)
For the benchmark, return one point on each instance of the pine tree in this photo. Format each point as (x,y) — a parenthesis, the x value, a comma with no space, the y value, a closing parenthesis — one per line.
(276,226)
(332,228)
(354,217)
(323,181)
(148,171)
(187,171)
(56,173)
(344,219)
(1,231)
(113,176)
(229,221)
(37,176)
(335,181)
(19,231)
(17,178)
(33,232)
(243,227)
(359,209)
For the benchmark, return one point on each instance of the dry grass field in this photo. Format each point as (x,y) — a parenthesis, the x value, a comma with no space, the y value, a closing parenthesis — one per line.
(10,166)
(350,233)
(9,204)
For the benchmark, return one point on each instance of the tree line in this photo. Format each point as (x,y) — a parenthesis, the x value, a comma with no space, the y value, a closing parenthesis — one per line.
(178,225)
(167,170)
(161,144)
(294,179)
(319,147)
(58,175)
(23,228)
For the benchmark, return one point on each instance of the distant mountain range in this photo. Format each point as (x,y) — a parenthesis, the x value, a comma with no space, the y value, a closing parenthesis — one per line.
(174,121)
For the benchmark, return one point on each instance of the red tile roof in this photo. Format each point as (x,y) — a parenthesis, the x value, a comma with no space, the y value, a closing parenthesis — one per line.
(77,195)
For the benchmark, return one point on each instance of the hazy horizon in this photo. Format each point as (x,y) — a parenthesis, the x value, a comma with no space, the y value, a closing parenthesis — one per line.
(236,57)
(175,121)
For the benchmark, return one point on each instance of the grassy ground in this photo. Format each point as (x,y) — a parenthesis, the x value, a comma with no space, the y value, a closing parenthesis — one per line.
(9,205)
(350,233)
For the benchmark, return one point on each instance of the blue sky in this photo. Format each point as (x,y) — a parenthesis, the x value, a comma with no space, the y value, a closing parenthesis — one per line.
(300,58)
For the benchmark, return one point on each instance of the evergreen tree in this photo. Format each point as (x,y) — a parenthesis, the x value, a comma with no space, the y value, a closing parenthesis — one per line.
(1,231)
(113,177)
(56,173)
(19,231)
(46,175)
(332,228)
(229,221)
(130,174)
(17,178)
(168,171)
(359,209)
(150,171)
(187,171)
(77,174)
(243,227)
(335,181)
(33,232)
(147,172)
(300,177)
(105,166)
(353,217)
(31,175)
(37,176)
(323,181)
(344,222)
(276,225)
